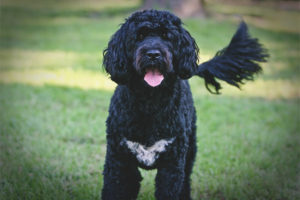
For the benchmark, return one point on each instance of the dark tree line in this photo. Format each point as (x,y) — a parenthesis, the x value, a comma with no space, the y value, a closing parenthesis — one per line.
(184,8)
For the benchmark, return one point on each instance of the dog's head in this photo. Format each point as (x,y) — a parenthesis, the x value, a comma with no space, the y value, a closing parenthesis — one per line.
(151,46)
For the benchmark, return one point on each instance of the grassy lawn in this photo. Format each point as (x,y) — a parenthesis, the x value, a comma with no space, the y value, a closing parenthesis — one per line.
(54,98)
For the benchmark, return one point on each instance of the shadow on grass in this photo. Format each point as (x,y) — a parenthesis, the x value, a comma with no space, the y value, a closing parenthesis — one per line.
(53,145)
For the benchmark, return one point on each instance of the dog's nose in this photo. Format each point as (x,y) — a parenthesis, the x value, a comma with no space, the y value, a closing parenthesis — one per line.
(153,53)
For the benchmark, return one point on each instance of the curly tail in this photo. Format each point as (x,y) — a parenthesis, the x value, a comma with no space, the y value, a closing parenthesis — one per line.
(237,62)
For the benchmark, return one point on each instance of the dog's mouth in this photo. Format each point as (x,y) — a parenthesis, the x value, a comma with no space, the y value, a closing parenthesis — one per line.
(153,77)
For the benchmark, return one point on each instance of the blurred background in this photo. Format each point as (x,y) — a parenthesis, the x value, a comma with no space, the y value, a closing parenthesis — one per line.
(54,97)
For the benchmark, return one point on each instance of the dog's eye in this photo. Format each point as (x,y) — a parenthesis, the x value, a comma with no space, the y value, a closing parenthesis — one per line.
(141,36)
(165,35)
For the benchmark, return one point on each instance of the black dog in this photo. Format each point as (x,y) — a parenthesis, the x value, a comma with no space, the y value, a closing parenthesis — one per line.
(151,122)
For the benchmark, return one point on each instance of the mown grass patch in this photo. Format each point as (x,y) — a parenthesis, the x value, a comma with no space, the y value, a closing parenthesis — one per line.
(53,145)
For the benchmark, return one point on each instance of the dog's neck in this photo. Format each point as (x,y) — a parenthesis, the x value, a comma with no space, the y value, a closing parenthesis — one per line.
(148,100)
(139,89)
(153,94)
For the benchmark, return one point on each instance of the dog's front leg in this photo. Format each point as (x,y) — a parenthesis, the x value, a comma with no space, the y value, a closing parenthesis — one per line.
(121,179)
(169,181)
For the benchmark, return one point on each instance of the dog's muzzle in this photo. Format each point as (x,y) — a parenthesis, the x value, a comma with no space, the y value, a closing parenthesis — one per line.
(153,61)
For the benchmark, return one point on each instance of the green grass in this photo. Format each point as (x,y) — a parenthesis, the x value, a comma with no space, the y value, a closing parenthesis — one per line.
(54,99)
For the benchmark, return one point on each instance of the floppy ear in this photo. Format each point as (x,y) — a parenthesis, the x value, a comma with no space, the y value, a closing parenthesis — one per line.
(114,57)
(237,62)
(187,55)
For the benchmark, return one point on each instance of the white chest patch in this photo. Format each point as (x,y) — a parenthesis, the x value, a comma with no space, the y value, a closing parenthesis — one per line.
(148,155)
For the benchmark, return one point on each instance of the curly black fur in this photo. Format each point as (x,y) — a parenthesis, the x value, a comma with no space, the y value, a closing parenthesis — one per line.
(151,122)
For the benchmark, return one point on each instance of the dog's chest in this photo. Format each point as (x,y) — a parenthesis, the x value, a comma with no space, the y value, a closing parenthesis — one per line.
(148,155)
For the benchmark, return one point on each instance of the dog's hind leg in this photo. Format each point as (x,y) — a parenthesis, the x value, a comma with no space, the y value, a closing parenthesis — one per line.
(121,179)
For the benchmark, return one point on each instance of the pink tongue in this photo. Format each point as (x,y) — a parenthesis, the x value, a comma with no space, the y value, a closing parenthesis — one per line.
(153,77)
